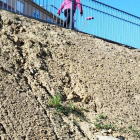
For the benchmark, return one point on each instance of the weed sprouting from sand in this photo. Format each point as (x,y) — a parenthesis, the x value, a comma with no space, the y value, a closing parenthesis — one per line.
(100,125)
(55,102)
(102,117)
(135,131)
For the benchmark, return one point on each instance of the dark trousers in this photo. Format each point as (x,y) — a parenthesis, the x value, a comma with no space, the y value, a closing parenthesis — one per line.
(67,13)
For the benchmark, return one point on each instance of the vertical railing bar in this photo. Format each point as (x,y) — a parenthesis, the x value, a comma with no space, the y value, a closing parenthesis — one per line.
(20,7)
(2,4)
(121,29)
(28,9)
(15,5)
(115,26)
(57,17)
(129,36)
(88,21)
(104,24)
(105,19)
(94,18)
(53,11)
(117,21)
(63,18)
(99,19)
(11,6)
(32,9)
(46,10)
(7,4)
(43,11)
(124,29)
(132,31)
(97,22)
(135,31)
(111,24)
(92,23)
(39,11)
(24,8)
(118,28)
(137,34)
(127,30)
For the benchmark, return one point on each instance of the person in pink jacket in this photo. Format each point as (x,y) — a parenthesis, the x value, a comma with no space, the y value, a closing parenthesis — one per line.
(66,5)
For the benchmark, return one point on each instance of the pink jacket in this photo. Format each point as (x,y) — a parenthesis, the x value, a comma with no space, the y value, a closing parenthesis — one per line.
(67,5)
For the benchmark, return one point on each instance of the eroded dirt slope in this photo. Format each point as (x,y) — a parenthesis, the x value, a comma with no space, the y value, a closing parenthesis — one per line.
(39,60)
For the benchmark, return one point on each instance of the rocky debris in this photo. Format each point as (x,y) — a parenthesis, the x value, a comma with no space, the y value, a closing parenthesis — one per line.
(107,138)
(104,132)
(38,60)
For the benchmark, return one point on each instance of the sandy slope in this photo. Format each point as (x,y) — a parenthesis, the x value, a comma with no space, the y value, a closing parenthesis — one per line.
(38,60)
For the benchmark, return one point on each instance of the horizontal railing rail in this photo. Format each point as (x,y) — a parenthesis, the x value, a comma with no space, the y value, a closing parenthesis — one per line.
(99,19)
(116,9)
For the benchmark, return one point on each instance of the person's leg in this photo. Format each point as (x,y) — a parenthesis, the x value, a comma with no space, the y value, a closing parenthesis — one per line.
(67,13)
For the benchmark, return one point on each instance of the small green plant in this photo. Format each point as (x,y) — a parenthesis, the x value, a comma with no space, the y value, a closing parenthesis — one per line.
(122,130)
(135,131)
(97,120)
(84,109)
(108,126)
(55,100)
(102,117)
(71,107)
(97,125)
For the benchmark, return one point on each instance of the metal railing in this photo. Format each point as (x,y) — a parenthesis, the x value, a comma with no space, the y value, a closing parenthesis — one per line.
(110,23)
(98,19)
